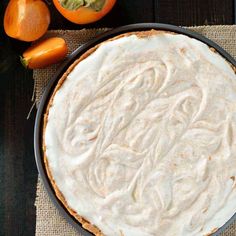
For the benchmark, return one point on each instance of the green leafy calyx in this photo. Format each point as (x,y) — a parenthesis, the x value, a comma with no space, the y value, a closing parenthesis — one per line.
(73,5)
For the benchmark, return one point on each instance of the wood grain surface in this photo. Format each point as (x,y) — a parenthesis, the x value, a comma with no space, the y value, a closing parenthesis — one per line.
(18,173)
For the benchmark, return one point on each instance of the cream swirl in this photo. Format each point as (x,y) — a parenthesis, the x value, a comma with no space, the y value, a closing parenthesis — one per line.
(141,137)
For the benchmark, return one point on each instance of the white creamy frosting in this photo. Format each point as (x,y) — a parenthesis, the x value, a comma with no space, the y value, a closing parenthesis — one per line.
(141,137)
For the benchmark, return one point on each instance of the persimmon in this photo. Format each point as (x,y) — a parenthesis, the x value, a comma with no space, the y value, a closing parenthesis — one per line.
(26,20)
(45,53)
(83,11)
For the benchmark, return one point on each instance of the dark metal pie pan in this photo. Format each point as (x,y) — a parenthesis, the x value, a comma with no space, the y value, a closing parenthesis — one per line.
(50,87)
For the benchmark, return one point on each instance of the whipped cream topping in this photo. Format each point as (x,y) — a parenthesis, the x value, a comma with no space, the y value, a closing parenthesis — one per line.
(141,137)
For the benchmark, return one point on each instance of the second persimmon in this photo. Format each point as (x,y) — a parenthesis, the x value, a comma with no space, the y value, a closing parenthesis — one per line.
(84,11)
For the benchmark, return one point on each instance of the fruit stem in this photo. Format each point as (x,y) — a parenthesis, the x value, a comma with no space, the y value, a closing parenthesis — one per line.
(24,62)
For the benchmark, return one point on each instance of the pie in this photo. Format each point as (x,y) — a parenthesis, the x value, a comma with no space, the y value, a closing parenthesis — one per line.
(139,137)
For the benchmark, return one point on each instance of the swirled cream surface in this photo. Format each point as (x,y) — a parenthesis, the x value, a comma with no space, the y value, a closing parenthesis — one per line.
(141,137)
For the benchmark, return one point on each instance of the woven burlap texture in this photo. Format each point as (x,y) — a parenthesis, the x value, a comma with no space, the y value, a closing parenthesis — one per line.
(48,220)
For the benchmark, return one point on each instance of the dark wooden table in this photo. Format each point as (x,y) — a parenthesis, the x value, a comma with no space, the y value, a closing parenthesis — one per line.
(18,173)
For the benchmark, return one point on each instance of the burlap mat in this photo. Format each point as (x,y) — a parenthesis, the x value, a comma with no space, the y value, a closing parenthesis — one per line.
(48,220)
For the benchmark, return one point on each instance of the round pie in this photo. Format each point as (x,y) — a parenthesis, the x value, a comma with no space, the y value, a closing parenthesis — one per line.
(139,137)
